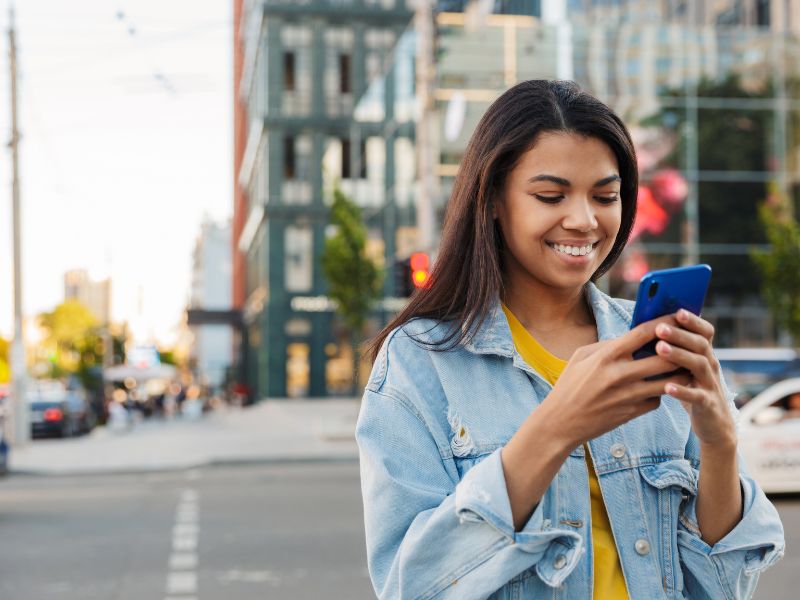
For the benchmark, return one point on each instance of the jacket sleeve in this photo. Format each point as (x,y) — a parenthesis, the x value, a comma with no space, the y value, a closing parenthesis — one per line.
(431,536)
(737,560)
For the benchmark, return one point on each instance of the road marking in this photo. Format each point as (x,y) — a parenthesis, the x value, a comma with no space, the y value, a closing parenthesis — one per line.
(184,543)
(182,582)
(181,529)
(183,562)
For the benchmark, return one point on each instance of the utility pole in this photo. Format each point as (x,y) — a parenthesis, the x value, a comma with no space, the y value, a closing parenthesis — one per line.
(427,146)
(22,429)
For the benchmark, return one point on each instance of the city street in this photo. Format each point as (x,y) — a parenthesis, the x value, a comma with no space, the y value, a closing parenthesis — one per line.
(290,531)
(283,531)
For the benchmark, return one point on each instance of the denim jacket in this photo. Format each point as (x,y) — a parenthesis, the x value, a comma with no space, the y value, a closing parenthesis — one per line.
(437,514)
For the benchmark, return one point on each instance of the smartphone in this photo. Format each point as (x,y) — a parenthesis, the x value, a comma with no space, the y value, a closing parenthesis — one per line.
(664,292)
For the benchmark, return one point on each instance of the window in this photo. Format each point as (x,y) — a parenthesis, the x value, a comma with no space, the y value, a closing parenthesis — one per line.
(361,160)
(762,13)
(288,72)
(345,83)
(298,258)
(346,171)
(289,164)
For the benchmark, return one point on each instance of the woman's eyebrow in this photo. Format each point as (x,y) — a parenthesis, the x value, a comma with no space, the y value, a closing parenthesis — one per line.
(566,182)
(553,178)
(607,180)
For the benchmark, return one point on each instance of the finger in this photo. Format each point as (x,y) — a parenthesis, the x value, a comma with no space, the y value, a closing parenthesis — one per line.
(636,370)
(677,336)
(699,365)
(636,392)
(641,334)
(695,323)
(686,393)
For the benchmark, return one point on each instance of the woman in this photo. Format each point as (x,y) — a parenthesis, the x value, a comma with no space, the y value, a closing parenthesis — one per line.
(510,445)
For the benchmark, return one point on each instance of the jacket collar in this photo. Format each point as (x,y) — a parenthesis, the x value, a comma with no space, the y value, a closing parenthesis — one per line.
(494,335)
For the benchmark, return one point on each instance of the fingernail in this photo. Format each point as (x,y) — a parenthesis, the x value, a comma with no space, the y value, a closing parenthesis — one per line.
(663,329)
(670,388)
(683,314)
(665,347)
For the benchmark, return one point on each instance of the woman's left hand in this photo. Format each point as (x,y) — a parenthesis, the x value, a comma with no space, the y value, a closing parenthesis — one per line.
(689,346)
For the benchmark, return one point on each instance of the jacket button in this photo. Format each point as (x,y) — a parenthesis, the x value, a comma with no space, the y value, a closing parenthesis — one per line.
(618,450)
(560,562)
(642,547)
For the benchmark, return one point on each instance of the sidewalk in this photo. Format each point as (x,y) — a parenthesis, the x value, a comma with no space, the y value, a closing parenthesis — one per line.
(270,431)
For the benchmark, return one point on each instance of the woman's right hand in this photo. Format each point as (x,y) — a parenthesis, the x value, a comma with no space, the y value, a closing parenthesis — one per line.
(603,386)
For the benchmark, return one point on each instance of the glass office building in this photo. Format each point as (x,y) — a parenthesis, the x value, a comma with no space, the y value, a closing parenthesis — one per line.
(709,91)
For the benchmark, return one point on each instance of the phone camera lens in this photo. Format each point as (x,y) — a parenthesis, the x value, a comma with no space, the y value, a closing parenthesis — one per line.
(652,290)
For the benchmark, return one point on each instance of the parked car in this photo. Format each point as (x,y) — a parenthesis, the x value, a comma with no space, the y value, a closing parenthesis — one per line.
(3,444)
(769,436)
(57,409)
(749,371)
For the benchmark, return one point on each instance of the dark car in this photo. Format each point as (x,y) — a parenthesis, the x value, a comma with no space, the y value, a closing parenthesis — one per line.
(56,410)
(3,445)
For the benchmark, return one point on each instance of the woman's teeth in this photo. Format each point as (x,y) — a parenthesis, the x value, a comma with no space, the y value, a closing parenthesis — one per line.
(573,250)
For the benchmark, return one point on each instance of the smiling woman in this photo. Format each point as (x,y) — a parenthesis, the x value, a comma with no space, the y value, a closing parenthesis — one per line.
(510,444)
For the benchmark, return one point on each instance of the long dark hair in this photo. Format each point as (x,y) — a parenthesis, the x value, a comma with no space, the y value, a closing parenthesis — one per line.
(467,276)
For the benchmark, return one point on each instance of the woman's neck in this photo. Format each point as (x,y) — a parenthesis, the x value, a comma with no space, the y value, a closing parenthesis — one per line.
(544,309)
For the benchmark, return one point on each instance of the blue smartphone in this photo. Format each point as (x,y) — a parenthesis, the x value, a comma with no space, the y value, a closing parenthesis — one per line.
(664,292)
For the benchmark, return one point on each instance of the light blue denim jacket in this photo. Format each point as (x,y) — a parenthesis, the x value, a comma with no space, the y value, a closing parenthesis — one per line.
(437,514)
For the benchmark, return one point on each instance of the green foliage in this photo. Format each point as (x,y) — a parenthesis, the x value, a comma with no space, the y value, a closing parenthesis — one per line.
(168,357)
(5,369)
(780,267)
(72,339)
(354,280)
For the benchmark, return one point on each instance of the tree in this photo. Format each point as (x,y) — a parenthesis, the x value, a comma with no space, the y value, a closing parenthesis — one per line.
(780,267)
(354,280)
(5,369)
(72,339)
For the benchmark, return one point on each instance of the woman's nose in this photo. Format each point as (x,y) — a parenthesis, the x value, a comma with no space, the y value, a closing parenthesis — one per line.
(580,216)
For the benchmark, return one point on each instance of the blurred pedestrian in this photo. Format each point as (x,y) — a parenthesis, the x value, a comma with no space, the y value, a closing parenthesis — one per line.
(508,439)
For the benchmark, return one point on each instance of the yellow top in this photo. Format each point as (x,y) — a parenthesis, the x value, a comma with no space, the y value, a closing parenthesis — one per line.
(609,582)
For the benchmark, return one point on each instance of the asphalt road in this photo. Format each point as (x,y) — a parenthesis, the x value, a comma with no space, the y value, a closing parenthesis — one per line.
(290,531)
(234,533)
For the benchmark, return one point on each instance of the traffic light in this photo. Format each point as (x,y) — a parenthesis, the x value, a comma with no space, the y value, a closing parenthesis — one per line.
(420,269)
(411,273)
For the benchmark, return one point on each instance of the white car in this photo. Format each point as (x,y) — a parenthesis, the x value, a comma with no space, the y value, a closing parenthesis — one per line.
(769,436)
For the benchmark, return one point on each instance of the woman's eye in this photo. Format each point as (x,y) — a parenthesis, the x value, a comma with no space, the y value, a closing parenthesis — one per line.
(607,199)
(549,199)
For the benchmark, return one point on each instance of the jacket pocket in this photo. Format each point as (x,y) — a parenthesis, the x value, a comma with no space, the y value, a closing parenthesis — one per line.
(668,485)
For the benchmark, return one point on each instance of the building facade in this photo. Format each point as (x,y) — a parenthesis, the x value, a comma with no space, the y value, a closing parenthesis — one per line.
(94,295)
(303,66)
(708,90)
(211,350)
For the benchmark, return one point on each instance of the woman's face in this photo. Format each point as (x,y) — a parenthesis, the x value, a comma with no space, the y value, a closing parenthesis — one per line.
(560,211)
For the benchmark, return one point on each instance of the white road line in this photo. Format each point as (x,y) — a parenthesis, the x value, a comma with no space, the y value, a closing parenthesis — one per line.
(182,575)
(183,561)
(186,529)
(182,582)
(186,543)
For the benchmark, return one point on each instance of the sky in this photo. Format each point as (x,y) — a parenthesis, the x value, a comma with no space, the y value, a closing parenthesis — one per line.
(125,113)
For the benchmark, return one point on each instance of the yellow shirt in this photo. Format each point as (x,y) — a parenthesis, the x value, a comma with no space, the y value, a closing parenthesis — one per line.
(609,583)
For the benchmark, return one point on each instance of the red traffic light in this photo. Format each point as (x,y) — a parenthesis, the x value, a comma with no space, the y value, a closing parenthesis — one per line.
(420,264)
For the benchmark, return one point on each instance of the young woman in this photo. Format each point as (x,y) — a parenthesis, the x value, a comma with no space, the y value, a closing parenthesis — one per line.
(510,445)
